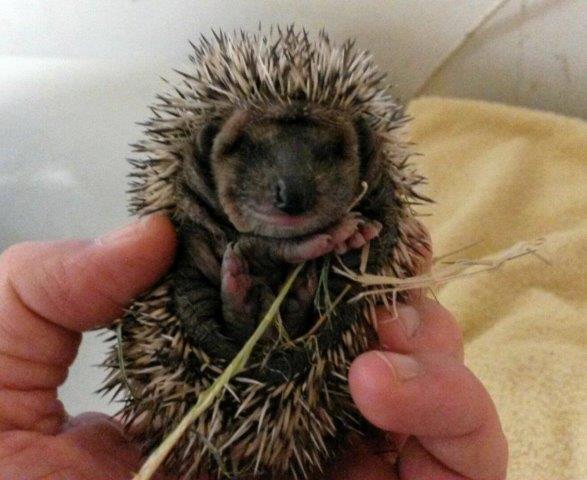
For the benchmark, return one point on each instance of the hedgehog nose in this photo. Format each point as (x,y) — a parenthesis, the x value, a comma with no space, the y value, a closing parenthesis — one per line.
(294,195)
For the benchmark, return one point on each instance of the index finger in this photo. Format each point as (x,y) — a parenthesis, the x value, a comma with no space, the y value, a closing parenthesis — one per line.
(49,293)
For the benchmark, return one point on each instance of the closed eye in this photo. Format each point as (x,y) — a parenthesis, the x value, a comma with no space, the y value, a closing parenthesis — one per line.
(338,148)
(332,151)
(240,143)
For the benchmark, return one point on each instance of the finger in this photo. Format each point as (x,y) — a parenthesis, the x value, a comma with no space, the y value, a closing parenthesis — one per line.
(49,292)
(108,445)
(362,461)
(425,326)
(416,462)
(437,399)
(37,410)
(84,284)
(93,449)
(103,438)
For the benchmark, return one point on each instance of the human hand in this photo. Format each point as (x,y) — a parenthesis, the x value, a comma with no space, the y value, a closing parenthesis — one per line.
(416,386)
(49,294)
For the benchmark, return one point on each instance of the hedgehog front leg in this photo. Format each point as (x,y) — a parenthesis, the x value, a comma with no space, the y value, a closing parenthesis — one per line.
(197,296)
(244,300)
(244,297)
(350,233)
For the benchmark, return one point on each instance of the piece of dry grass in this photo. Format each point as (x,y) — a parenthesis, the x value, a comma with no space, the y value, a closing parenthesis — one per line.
(443,271)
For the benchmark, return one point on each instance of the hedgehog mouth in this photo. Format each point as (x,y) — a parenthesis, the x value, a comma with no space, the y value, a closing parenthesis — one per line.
(278,224)
(285,220)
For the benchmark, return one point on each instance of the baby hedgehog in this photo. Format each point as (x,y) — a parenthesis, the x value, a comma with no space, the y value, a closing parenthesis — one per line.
(271,150)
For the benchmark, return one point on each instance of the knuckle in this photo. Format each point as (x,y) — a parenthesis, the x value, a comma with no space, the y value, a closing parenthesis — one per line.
(24,263)
(56,285)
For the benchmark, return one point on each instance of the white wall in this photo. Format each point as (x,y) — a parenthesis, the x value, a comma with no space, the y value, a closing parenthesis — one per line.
(531,53)
(76,74)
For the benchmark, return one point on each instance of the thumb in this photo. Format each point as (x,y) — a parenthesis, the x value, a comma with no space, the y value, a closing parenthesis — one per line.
(82,284)
(50,292)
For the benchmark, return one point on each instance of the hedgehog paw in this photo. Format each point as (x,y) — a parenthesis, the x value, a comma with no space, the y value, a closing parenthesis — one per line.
(244,296)
(353,232)
(366,232)
(323,243)
(236,281)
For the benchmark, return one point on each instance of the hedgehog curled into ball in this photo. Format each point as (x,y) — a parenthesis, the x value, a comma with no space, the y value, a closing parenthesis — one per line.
(274,150)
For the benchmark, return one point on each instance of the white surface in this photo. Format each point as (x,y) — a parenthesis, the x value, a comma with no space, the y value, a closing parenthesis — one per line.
(532,53)
(64,130)
(75,75)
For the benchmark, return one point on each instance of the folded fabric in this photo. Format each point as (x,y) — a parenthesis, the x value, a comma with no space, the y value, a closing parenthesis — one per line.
(499,175)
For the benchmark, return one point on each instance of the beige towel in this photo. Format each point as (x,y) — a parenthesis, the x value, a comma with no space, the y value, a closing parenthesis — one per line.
(501,174)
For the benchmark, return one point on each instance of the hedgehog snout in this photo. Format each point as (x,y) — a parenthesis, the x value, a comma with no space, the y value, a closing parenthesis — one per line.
(294,194)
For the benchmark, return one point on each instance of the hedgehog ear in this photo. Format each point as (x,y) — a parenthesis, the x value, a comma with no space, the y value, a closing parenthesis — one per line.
(205,142)
(366,143)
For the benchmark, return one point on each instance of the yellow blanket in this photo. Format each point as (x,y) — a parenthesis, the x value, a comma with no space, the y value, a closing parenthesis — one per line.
(502,174)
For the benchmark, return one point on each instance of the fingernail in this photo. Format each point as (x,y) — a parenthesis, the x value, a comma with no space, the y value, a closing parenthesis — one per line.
(403,367)
(410,319)
(118,235)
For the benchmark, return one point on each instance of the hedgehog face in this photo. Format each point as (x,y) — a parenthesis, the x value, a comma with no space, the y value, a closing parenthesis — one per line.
(285,173)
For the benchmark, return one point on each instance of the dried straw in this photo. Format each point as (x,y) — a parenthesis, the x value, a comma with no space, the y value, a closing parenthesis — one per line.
(441,273)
